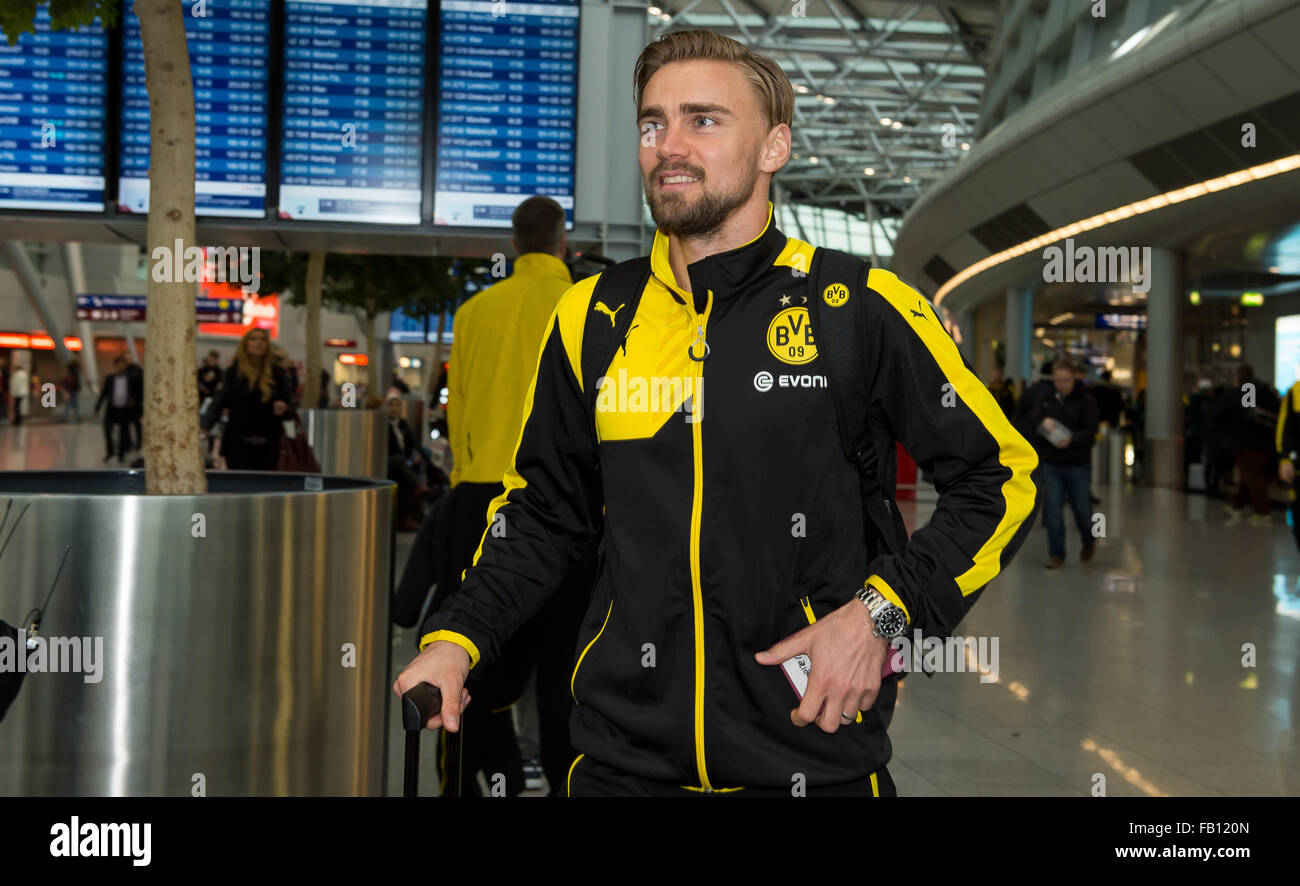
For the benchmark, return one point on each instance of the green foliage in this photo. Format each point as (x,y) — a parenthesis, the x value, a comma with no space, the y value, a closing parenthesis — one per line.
(18,17)
(420,285)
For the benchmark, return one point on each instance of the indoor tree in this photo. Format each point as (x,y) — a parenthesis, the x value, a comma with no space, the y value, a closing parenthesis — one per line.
(172,450)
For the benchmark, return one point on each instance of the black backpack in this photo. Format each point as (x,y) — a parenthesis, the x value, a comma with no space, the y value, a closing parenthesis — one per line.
(841,342)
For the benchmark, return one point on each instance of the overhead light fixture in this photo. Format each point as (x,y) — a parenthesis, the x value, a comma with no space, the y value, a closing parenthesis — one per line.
(907,179)
(897,124)
(655,11)
(830,100)
(801,89)
(1140,207)
(812,159)
(1252,299)
(885,121)
(965,146)
(1194,297)
(869,171)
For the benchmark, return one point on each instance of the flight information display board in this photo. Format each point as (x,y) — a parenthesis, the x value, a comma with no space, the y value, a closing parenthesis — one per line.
(507,107)
(228,43)
(52,97)
(353,110)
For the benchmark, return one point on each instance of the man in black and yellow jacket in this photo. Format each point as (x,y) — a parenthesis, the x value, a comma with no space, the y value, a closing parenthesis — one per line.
(731,517)
(1288,444)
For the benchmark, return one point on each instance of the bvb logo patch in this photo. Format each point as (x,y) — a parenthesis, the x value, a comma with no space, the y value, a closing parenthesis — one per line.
(836,294)
(790,337)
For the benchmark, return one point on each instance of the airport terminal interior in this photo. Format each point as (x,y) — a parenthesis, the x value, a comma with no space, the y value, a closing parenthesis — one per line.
(1098,200)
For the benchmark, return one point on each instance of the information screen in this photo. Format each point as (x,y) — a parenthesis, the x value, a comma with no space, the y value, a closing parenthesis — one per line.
(506,108)
(353,110)
(228,42)
(52,97)
(1286,352)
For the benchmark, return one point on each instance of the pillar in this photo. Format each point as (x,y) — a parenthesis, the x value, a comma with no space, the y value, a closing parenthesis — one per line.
(1164,340)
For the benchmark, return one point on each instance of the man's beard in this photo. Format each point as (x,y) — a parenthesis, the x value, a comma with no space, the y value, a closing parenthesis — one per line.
(674,215)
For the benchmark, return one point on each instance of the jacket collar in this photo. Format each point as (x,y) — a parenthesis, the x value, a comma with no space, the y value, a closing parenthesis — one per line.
(726,273)
(539,264)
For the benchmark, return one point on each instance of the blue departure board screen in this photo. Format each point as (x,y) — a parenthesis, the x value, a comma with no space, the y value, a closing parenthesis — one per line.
(353,110)
(507,107)
(52,100)
(228,43)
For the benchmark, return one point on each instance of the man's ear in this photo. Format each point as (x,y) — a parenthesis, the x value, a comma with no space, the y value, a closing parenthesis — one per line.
(776,149)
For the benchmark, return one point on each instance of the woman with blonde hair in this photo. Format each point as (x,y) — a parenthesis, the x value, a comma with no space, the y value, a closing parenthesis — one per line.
(254,396)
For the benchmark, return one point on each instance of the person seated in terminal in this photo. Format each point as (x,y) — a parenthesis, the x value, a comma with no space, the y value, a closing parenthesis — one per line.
(116,396)
(406,462)
(1246,417)
(254,396)
(679,682)
(1062,423)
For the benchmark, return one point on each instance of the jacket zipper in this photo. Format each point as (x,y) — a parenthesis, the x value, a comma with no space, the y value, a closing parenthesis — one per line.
(697,507)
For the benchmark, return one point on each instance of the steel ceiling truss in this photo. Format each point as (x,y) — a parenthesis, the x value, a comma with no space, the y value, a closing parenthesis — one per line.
(920,65)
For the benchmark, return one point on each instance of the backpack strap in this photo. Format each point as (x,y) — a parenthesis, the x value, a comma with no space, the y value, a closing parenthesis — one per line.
(613,305)
(837,293)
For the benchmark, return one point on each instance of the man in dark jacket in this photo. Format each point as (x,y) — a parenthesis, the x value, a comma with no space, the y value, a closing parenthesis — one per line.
(135,376)
(404,459)
(1062,423)
(118,395)
(1245,418)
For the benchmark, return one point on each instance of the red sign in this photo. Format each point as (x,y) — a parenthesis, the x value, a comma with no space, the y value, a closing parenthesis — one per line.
(262,312)
(36,341)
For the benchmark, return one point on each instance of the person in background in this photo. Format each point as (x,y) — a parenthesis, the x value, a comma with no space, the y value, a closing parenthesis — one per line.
(493,360)
(1248,428)
(284,363)
(396,383)
(1287,440)
(1062,425)
(19,389)
(1194,426)
(1004,392)
(323,402)
(116,396)
(254,396)
(72,385)
(136,376)
(1110,402)
(209,376)
(404,460)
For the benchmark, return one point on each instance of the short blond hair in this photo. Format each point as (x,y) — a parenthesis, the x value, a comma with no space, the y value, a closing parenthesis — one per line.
(770,82)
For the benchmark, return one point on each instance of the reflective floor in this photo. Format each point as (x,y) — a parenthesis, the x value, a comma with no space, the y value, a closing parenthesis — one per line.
(1166,666)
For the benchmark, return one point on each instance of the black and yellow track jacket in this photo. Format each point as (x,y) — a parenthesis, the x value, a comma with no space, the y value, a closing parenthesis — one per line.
(1288,424)
(736,520)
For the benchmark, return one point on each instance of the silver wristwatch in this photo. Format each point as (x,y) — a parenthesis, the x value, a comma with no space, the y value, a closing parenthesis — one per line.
(889,620)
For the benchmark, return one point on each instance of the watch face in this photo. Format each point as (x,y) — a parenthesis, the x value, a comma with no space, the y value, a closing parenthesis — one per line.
(890,622)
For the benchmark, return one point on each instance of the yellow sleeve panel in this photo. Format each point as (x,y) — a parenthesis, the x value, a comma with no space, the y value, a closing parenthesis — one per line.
(1014,452)
(452,637)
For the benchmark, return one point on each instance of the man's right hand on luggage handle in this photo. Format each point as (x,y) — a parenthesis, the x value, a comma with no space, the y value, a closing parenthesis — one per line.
(446,666)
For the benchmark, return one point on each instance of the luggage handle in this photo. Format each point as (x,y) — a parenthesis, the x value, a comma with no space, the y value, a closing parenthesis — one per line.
(419,703)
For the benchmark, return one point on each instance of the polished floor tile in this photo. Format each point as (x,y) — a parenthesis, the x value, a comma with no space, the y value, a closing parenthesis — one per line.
(1169,663)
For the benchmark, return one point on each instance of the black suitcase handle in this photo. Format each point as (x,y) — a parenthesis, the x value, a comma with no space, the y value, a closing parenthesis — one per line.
(419,703)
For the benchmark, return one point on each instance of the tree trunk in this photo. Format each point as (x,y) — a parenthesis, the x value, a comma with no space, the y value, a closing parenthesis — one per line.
(311,385)
(172,454)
